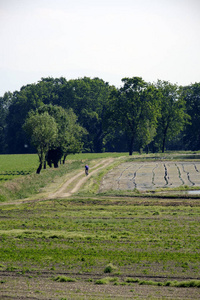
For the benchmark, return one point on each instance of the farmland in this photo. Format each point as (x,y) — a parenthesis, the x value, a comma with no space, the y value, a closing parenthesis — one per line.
(12,166)
(153,175)
(95,246)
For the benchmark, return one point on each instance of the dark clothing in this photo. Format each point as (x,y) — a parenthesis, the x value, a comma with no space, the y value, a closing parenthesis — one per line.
(86,169)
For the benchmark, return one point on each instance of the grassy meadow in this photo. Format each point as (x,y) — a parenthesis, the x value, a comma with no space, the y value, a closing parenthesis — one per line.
(118,247)
(12,166)
(85,235)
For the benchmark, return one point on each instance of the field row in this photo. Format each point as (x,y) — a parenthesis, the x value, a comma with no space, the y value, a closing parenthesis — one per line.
(152,175)
(80,236)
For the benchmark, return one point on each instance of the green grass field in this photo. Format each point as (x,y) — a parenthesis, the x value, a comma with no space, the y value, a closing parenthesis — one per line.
(12,166)
(76,240)
(85,235)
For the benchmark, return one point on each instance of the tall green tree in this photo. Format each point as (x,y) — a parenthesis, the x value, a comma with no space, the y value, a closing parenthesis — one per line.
(42,128)
(89,99)
(191,95)
(173,113)
(5,102)
(70,133)
(135,109)
(30,97)
(22,102)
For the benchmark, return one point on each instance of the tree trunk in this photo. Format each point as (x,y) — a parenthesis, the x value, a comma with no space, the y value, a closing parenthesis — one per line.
(164,138)
(64,158)
(164,141)
(50,164)
(131,146)
(39,169)
(147,149)
(55,164)
(163,145)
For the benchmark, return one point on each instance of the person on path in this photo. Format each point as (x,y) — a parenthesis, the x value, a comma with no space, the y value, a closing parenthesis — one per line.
(86,170)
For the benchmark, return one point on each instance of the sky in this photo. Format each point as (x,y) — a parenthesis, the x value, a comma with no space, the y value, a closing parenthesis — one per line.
(109,39)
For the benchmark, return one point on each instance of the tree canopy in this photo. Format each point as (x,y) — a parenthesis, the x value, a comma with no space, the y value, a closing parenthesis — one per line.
(191,95)
(70,133)
(138,115)
(43,130)
(135,108)
(173,115)
(54,132)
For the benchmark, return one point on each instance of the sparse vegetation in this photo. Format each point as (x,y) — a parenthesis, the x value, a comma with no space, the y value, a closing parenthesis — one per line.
(64,279)
(110,268)
(175,283)
(151,242)
(77,234)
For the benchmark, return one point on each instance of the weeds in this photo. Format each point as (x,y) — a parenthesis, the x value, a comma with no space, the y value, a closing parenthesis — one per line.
(2,281)
(110,268)
(188,283)
(64,279)
(106,280)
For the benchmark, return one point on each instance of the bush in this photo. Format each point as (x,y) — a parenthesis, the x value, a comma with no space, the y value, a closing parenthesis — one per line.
(132,280)
(103,281)
(106,280)
(189,283)
(64,279)
(110,268)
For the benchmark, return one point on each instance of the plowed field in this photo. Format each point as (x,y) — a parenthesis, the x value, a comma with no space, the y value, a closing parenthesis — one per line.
(152,175)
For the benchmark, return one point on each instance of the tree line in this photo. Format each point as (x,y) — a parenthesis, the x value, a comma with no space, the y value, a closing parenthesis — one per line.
(92,116)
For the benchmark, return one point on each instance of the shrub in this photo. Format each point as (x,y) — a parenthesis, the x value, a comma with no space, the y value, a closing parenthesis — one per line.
(102,281)
(156,213)
(189,283)
(64,279)
(110,268)
(132,280)
(106,280)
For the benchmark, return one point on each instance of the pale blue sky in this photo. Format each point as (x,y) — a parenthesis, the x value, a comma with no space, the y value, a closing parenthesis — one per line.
(109,39)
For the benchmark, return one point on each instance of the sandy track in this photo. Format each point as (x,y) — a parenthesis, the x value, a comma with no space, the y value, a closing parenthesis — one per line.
(77,180)
(61,193)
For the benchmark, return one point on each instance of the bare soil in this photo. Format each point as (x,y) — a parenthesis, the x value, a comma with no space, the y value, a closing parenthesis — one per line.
(152,175)
(42,286)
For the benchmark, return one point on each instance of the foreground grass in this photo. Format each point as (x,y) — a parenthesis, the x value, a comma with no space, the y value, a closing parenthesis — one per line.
(78,236)
(144,243)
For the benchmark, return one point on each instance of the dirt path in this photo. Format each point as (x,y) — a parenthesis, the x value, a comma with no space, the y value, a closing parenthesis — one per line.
(61,193)
(77,181)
